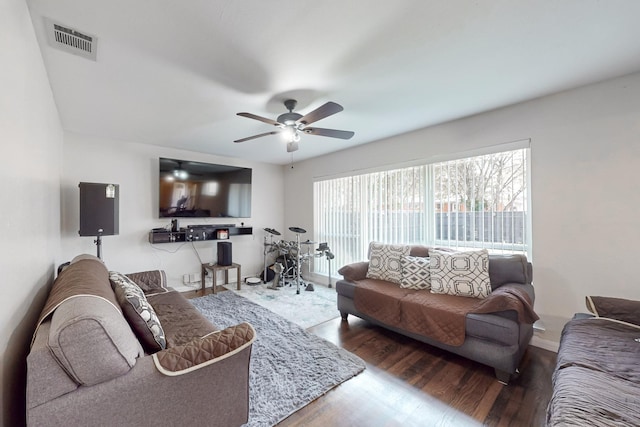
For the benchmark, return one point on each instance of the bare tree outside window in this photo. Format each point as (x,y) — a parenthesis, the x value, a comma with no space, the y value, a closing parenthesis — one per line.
(481,201)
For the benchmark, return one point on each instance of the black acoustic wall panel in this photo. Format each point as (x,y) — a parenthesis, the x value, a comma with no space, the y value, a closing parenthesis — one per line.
(224,253)
(99,209)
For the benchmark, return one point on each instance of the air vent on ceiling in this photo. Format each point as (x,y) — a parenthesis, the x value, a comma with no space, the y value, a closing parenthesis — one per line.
(71,40)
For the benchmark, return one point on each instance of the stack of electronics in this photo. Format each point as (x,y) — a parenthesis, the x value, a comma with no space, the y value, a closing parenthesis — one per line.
(207,232)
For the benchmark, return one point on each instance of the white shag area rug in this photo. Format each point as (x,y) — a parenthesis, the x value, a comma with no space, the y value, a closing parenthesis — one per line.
(289,366)
(305,309)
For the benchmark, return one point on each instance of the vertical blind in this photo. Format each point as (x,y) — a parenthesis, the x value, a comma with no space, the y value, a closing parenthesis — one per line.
(477,202)
(384,206)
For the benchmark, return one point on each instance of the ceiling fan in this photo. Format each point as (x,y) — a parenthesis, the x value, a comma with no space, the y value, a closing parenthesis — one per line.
(292,124)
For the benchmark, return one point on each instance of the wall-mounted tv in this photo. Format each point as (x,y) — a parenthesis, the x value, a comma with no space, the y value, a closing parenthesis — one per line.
(203,190)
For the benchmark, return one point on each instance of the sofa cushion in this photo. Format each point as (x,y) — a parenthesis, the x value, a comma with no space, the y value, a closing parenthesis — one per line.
(181,321)
(151,282)
(139,313)
(415,272)
(379,299)
(384,261)
(460,273)
(91,340)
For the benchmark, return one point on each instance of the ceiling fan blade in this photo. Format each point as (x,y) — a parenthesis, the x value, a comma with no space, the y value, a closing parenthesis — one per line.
(262,119)
(333,133)
(321,112)
(257,136)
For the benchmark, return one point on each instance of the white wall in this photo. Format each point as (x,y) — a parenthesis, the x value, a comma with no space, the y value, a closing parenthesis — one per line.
(134,167)
(585,157)
(31,143)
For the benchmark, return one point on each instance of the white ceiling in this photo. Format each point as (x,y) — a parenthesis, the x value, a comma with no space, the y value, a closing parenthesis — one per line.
(175,73)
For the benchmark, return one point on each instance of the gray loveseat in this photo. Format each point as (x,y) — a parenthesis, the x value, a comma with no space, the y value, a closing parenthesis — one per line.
(89,366)
(596,381)
(496,334)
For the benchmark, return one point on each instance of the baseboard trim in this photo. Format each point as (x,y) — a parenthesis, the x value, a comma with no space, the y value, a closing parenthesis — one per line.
(545,344)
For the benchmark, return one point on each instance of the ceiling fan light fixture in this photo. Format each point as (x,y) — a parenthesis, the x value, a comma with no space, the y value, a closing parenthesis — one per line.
(291,134)
(292,146)
(180,173)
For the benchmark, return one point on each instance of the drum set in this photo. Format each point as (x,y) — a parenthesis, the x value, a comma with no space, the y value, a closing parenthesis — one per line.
(289,259)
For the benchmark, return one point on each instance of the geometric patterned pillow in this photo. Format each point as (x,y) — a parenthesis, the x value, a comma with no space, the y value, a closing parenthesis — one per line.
(464,274)
(384,261)
(139,313)
(415,272)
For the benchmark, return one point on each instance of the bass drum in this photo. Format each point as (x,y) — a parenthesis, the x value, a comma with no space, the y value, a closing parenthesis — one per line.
(270,274)
(289,265)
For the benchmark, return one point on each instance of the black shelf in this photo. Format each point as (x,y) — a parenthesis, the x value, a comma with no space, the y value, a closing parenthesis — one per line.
(196,234)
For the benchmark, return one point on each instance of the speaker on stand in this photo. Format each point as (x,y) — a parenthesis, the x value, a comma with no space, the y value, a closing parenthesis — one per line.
(99,211)
(224,253)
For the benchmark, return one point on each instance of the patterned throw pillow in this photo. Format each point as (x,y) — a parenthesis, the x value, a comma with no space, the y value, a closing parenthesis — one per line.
(384,261)
(415,272)
(139,313)
(460,273)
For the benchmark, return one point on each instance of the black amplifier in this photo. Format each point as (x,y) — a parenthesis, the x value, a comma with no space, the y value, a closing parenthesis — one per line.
(165,237)
(199,232)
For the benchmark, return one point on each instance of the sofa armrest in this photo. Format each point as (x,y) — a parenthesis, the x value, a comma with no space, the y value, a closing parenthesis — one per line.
(624,310)
(147,396)
(204,351)
(151,282)
(355,271)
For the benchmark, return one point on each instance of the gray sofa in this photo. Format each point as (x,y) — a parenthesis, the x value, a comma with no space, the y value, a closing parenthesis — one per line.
(497,338)
(596,381)
(88,364)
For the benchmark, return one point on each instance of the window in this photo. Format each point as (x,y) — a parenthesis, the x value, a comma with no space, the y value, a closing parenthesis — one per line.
(483,202)
(384,206)
(477,202)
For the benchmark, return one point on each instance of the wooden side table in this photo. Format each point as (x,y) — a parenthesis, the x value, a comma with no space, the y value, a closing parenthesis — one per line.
(214,270)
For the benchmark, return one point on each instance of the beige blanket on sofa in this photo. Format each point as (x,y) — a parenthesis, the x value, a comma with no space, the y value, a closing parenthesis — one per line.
(437,316)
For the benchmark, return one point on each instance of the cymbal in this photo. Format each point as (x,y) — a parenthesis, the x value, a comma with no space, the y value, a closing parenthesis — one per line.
(308,242)
(272,231)
(297,230)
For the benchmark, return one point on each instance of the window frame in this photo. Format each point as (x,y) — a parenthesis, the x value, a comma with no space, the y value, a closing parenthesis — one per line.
(428,229)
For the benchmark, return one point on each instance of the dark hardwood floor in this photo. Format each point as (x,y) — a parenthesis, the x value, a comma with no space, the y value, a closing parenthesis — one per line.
(408,383)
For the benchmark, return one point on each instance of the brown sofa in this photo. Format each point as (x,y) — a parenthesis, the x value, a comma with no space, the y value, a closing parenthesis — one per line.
(88,367)
(494,331)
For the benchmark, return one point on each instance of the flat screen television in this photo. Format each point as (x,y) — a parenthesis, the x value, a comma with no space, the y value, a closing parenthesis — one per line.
(203,190)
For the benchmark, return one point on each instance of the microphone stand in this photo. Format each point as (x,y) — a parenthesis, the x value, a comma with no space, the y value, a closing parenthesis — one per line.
(98,243)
